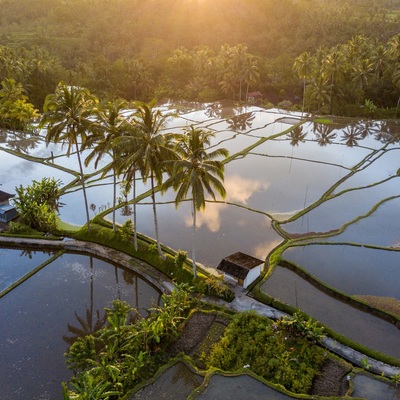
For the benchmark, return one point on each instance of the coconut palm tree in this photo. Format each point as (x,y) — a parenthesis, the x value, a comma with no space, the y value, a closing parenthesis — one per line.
(334,65)
(304,66)
(66,118)
(128,165)
(196,172)
(111,123)
(396,84)
(150,148)
(319,91)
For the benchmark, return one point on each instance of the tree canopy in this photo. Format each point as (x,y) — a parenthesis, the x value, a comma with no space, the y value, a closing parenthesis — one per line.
(190,49)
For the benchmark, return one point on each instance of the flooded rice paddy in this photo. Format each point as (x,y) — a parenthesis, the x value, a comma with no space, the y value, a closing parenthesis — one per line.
(332,189)
(44,315)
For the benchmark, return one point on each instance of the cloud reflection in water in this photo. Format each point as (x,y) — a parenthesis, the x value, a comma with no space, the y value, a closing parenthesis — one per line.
(238,190)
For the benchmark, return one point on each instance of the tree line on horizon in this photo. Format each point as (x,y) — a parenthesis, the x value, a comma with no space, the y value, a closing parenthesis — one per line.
(201,51)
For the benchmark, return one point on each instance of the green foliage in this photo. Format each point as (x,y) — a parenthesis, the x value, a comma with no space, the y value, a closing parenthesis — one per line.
(217,286)
(370,108)
(37,204)
(365,363)
(302,325)
(103,47)
(113,360)
(15,112)
(152,248)
(20,228)
(269,350)
(180,258)
(396,379)
(81,352)
(127,229)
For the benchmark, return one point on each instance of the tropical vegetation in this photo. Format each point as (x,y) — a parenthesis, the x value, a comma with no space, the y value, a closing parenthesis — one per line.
(110,362)
(279,352)
(228,49)
(37,206)
(67,120)
(195,172)
(346,64)
(128,350)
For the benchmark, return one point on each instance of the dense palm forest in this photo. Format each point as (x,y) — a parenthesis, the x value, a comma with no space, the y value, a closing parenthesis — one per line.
(342,57)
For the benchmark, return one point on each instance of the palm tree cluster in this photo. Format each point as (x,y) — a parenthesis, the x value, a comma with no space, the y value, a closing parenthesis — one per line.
(351,73)
(202,73)
(136,142)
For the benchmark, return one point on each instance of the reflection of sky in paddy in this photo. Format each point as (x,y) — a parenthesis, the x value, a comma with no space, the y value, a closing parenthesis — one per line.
(332,214)
(14,264)
(222,230)
(380,168)
(350,269)
(101,195)
(337,154)
(355,324)
(16,171)
(379,229)
(233,143)
(280,185)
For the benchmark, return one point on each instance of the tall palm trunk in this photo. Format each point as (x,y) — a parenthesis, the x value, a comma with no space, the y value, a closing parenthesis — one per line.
(153,197)
(83,185)
(114,199)
(134,211)
(193,239)
(114,193)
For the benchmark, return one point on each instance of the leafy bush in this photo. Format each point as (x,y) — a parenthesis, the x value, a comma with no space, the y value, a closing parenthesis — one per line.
(38,203)
(269,350)
(20,228)
(180,258)
(113,360)
(302,325)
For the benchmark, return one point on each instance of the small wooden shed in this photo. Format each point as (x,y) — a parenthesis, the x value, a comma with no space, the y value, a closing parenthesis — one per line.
(254,96)
(7,211)
(244,269)
(5,197)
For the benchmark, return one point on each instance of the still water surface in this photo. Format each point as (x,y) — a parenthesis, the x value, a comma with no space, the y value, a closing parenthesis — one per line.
(289,169)
(41,317)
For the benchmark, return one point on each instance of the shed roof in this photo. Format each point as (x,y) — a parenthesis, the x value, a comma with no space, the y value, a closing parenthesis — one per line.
(239,264)
(6,207)
(5,196)
(255,94)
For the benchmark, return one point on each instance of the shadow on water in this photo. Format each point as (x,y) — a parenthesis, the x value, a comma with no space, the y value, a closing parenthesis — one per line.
(359,326)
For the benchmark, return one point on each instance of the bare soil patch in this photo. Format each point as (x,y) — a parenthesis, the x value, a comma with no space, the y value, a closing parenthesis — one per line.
(332,380)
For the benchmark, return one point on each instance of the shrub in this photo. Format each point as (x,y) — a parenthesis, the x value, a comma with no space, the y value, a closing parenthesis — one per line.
(116,358)
(20,228)
(269,350)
